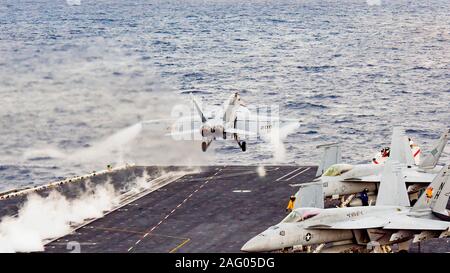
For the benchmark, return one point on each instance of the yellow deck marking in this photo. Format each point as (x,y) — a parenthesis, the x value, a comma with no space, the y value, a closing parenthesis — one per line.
(179,246)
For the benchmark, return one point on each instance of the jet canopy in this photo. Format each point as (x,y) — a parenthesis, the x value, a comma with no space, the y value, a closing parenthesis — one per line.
(300,214)
(337,169)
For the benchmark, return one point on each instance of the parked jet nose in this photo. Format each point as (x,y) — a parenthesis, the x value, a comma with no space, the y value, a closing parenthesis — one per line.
(257,244)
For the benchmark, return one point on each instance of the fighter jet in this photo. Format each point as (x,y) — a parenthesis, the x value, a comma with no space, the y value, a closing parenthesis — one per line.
(390,221)
(234,121)
(224,126)
(342,179)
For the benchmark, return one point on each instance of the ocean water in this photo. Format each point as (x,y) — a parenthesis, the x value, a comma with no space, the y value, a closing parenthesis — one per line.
(76,80)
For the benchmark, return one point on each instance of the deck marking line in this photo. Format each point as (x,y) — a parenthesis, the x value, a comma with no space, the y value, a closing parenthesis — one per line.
(298,174)
(288,174)
(179,246)
(168,215)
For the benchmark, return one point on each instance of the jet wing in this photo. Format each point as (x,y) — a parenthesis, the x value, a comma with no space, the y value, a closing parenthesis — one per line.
(361,223)
(239,132)
(409,177)
(413,176)
(172,120)
(261,118)
(399,222)
(413,223)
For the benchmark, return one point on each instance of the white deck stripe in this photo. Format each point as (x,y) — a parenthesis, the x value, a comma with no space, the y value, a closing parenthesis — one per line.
(289,174)
(298,174)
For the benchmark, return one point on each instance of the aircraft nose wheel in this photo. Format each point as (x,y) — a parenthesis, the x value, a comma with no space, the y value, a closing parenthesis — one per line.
(204,146)
(243,146)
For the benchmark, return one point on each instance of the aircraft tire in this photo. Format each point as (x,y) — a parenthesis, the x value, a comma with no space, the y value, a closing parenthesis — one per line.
(244,146)
(204,146)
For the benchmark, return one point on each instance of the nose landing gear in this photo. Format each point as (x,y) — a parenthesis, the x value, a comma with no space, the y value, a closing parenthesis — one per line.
(243,145)
(205,145)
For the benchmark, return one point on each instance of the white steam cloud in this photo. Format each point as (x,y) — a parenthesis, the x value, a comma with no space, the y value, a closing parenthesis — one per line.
(373,2)
(43,218)
(276,138)
(73,2)
(261,171)
(113,146)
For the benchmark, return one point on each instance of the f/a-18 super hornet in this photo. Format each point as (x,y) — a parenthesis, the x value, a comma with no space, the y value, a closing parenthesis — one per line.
(221,126)
(341,179)
(390,221)
(233,121)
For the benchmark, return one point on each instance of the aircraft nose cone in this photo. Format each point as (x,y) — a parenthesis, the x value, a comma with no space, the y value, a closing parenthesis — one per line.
(256,244)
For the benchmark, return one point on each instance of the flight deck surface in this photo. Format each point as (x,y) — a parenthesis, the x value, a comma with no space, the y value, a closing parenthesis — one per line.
(215,210)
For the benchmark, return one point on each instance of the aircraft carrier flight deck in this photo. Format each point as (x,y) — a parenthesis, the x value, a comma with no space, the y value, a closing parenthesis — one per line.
(214,210)
(185,210)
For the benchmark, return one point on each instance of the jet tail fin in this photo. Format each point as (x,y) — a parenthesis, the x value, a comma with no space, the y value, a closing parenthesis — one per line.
(392,190)
(431,159)
(400,149)
(230,107)
(309,195)
(331,156)
(436,195)
(199,109)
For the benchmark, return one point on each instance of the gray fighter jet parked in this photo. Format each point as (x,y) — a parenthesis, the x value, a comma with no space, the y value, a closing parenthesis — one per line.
(343,179)
(390,221)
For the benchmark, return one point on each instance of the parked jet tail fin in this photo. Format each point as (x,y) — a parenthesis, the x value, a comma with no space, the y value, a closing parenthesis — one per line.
(331,156)
(400,149)
(431,159)
(309,195)
(436,195)
(199,109)
(392,190)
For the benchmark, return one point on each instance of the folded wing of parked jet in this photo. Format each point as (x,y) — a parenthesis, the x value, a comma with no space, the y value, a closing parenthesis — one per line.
(331,156)
(400,150)
(436,195)
(310,196)
(392,191)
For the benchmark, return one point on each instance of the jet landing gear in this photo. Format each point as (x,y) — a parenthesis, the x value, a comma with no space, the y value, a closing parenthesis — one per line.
(205,145)
(243,145)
